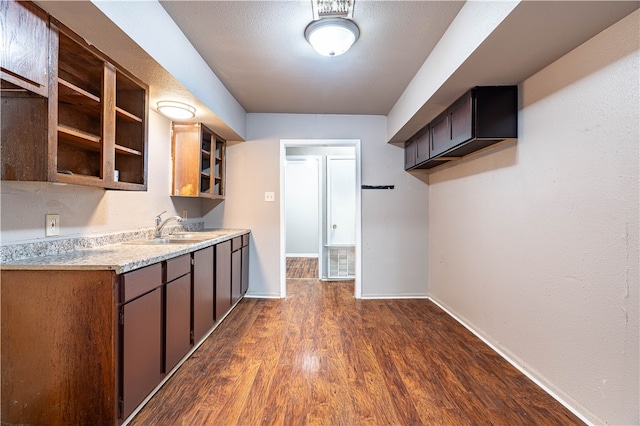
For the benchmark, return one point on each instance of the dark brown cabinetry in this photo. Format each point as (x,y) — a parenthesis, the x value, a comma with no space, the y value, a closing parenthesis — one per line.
(92,127)
(177,312)
(245,264)
(223,279)
(198,161)
(141,335)
(99,343)
(203,293)
(481,117)
(25,47)
(236,269)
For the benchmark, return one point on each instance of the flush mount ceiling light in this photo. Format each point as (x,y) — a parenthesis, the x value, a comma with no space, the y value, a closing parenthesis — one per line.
(176,110)
(332,36)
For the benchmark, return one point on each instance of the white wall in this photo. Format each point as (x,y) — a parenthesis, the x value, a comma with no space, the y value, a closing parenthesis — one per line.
(394,222)
(535,244)
(86,210)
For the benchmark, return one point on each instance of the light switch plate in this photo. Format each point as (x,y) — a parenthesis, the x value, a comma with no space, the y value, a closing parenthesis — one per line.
(269,196)
(52,225)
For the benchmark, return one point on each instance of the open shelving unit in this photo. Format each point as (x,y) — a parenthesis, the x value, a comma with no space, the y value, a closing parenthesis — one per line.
(92,123)
(198,161)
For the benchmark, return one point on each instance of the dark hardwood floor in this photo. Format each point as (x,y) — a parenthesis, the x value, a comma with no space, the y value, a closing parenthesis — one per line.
(302,267)
(322,357)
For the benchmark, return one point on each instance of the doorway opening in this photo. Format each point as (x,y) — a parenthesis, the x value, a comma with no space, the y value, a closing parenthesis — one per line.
(320,207)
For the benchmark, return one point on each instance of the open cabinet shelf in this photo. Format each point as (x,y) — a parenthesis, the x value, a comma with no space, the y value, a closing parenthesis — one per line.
(198,161)
(92,124)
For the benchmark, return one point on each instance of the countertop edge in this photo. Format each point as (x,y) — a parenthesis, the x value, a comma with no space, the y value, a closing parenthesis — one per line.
(99,258)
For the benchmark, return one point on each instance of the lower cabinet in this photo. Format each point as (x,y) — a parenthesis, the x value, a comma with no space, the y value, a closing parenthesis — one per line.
(223,279)
(203,293)
(177,311)
(99,343)
(140,335)
(245,264)
(141,348)
(236,269)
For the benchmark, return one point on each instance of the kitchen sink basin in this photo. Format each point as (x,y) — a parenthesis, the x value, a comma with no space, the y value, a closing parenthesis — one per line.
(157,241)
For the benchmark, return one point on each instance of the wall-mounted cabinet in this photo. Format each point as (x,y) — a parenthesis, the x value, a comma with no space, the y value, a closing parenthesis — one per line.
(481,117)
(25,46)
(92,129)
(198,156)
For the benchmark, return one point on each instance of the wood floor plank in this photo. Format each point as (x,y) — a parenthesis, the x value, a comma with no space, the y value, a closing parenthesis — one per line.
(321,357)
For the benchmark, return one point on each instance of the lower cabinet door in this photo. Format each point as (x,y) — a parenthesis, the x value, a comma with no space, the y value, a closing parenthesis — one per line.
(223,279)
(178,320)
(236,275)
(142,348)
(245,269)
(203,293)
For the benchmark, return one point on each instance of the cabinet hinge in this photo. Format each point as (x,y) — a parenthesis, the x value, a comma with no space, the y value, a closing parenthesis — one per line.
(193,261)
(192,337)
(120,408)
(121,319)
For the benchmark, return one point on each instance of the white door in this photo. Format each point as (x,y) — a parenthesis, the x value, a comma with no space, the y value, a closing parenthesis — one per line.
(302,207)
(341,201)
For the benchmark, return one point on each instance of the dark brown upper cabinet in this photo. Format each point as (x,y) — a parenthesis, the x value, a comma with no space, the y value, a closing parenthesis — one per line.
(90,129)
(481,117)
(25,47)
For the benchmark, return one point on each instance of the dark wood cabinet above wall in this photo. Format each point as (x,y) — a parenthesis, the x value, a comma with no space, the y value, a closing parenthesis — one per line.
(481,117)
(85,123)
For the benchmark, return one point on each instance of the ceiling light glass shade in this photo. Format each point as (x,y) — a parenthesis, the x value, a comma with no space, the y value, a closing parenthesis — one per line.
(332,36)
(176,110)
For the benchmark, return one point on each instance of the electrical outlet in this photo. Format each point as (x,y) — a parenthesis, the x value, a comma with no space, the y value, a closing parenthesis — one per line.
(185,214)
(269,196)
(52,225)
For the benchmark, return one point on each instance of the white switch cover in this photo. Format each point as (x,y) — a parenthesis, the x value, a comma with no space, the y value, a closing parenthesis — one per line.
(52,225)
(269,196)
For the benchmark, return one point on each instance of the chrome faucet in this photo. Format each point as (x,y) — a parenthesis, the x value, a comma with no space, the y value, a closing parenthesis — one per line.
(160,224)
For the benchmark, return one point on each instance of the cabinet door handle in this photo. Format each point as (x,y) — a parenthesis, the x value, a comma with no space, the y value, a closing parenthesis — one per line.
(334,226)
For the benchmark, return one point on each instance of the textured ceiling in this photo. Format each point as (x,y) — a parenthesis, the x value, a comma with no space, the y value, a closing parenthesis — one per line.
(258,50)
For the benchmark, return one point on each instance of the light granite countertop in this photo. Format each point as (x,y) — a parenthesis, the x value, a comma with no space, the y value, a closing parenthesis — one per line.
(121,257)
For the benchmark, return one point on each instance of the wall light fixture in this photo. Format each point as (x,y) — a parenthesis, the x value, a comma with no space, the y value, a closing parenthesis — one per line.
(176,110)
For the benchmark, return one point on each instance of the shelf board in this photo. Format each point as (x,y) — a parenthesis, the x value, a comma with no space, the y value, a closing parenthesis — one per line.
(127,151)
(75,94)
(79,138)
(127,115)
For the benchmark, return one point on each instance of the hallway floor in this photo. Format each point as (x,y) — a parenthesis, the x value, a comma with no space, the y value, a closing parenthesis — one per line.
(322,357)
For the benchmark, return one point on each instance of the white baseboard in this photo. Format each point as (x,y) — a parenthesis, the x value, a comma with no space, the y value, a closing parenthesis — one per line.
(513,362)
(302,255)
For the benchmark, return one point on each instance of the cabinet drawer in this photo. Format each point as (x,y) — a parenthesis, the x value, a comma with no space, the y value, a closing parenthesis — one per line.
(236,243)
(141,281)
(178,266)
(245,240)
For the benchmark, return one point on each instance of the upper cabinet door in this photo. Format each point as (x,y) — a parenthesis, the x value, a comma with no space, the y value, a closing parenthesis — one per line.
(461,119)
(24,46)
(440,134)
